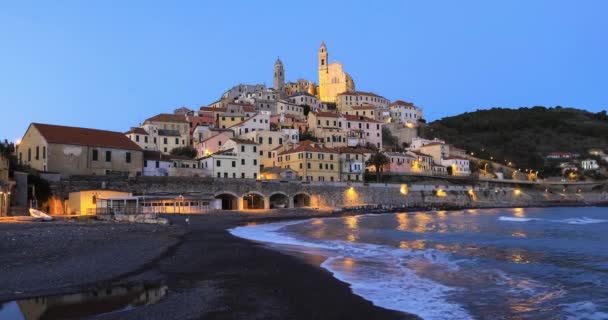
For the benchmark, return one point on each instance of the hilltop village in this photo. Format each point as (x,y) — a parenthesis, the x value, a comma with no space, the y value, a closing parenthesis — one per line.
(302,130)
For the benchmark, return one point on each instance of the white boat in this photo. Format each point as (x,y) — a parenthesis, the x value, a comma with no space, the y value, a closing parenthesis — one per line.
(40,215)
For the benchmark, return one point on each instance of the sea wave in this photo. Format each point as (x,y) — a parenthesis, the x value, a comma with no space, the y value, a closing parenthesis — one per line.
(377,273)
(584,310)
(516,219)
(583,220)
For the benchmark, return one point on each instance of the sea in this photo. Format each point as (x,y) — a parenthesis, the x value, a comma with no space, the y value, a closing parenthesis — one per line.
(520,263)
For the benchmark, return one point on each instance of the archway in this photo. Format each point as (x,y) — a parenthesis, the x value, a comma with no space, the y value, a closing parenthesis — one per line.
(279,200)
(253,200)
(229,201)
(301,200)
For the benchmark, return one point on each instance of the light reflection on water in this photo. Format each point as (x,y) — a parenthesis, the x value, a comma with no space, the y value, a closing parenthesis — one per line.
(542,264)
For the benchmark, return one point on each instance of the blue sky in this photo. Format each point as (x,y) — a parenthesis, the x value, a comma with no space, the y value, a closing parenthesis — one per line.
(112,64)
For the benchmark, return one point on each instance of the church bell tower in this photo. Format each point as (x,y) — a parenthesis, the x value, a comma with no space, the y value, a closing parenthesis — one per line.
(278,79)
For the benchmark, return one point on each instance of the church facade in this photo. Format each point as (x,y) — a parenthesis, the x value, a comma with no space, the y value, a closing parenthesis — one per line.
(332,78)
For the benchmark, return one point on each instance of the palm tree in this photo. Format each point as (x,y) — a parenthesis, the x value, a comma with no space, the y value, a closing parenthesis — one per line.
(378,160)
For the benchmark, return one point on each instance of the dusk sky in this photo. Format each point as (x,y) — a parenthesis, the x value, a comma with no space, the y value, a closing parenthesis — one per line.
(112,64)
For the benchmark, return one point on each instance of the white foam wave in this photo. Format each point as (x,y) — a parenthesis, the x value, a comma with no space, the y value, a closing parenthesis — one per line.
(583,220)
(584,310)
(375,272)
(516,219)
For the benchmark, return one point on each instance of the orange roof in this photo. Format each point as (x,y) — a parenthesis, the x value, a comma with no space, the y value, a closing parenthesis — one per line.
(401,103)
(167,117)
(327,114)
(85,137)
(308,146)
(351,117)
(211,109)
(363,107)
(136,130)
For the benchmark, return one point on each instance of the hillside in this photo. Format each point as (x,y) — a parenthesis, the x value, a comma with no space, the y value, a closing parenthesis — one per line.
(523,136)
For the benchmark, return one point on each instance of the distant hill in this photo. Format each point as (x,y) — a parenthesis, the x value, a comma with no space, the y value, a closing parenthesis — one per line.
(523,136)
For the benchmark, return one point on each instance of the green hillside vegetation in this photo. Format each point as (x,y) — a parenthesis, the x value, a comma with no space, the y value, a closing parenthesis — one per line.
(523,136)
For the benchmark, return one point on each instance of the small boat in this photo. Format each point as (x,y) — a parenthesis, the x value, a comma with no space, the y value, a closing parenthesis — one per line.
(40,215)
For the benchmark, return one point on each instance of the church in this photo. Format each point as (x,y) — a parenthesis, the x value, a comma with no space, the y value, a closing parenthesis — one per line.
(332,80)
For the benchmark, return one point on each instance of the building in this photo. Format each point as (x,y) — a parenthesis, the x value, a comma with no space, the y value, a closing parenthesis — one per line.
(589,164)
(362,130)
(352,163)
(278,78)
(349,99)
(267,141)
(260,121)
(332,78)
(423,163)
(237,159)
(457,166)
(400,163)
(300,86)
(307,99)
(312,161)
(365,110)
(288,107)
(211,145)
(277,173)
(233,114)
(79,151)
(84,202)
(437,150)
(171,130)
(418,142)
(405,113)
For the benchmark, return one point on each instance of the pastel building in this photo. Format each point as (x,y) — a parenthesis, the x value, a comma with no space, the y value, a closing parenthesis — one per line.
(79,151)
(311,161)
(236,159)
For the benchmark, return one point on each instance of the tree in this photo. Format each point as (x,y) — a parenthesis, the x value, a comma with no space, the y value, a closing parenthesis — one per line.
(306,109)
(378,160)
(185,151)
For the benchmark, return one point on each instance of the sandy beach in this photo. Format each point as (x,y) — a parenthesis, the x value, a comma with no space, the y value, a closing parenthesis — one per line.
(210,274)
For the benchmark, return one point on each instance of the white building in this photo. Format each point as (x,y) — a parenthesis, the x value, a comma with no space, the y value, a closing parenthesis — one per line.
(259,122)
(405,113)
(237,159)
(589,164)
(457,166)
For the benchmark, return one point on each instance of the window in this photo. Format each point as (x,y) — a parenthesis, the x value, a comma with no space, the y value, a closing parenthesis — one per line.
(255,175)
(255,162)
(242,148)
(269,140)
(243,162)
(234,175)
(242,175)
(29,154)
(157,164)
(128,157)
(154,140)
(37,152)
(137,138)
(320,166)
(218,163)
(146,139)
(146,164)
(225,174)
(255,149)
(308,165)
(176,140)
(260,139)
(280,140)
(108,156)
(219,175)
(165,140)
(233,164)
(44,152)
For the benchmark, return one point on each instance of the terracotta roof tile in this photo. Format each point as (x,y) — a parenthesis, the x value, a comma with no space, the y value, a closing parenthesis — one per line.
(327,114)
(85,137)
(168,117)
(136,130)
(308,146)
(242,141)
(351,117)
(401,103)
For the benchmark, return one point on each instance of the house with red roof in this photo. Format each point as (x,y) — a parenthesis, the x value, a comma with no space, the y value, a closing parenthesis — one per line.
(79,151)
